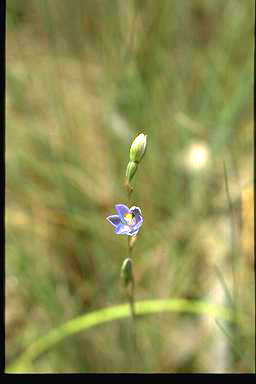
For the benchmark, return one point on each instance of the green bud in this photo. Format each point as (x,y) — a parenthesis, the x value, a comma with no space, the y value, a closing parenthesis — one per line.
(131,170)
(138,148)
(126,271)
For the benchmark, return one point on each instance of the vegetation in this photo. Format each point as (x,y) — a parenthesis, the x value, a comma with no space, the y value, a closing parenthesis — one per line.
(83,79)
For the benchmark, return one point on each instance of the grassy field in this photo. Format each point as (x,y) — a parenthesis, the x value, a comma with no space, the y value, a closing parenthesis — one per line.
(83,79)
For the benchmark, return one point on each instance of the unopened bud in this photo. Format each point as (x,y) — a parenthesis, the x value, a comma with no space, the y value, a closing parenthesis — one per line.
(138,148)
(126,271)
(131,170)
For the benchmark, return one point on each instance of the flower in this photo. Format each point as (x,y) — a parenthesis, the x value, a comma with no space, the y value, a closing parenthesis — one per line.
(138,148)
(127,221)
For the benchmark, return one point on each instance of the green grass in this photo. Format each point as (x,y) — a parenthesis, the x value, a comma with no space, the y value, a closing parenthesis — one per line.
(83,79)
(109,314)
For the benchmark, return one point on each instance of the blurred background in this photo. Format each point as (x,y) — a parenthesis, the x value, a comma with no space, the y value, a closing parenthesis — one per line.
(83,79)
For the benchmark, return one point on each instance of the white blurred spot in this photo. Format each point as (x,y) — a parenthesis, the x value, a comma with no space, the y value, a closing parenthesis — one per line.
(120,126)
(196,156)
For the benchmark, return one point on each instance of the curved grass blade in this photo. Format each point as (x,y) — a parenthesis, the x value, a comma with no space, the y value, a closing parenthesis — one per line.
(81,323)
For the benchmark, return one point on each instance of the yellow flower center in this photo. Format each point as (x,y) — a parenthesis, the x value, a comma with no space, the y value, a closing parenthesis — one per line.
(129,218)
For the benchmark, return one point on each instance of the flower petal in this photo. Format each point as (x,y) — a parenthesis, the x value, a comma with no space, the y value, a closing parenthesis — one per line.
(123,229)
(136,211)
(114,220)
(133,233)
(139,223)
(121,211)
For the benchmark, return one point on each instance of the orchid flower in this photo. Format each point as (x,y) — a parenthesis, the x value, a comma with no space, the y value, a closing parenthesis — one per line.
(127,221)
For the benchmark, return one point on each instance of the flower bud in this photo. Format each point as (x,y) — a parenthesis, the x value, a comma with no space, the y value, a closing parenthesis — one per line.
(131,170)
(126,271)
(138,148)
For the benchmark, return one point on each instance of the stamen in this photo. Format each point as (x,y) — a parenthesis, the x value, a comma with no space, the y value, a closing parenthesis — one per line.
(129,218)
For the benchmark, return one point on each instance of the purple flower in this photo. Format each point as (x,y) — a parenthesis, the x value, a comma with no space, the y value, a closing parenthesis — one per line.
(127,221)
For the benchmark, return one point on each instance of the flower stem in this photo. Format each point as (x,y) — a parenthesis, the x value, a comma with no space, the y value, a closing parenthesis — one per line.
(131,290)
(136,357)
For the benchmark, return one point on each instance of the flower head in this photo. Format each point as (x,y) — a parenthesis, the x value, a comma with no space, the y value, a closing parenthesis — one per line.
(138,148)
(127,221)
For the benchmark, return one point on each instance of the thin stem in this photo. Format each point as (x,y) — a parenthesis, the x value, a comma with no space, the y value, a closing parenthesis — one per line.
(137,357)
(234,236)
(129,189)
(130,288)
(233,228)
(130,294)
